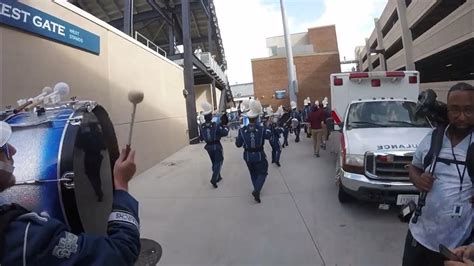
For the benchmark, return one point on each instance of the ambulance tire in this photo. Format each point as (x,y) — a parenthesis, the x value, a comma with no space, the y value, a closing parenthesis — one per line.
(343,196)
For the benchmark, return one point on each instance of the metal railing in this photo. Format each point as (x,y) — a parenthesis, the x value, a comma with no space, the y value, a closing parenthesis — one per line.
(139,37)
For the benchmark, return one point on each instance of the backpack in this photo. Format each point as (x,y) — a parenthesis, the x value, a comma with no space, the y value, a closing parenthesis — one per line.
(8,213)
(435,148)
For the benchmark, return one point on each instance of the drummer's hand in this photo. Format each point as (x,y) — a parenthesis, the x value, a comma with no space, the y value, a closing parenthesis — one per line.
(465,252)
(124,170)
(466,262)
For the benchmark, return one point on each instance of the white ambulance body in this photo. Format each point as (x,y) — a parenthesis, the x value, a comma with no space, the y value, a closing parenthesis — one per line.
(376,134)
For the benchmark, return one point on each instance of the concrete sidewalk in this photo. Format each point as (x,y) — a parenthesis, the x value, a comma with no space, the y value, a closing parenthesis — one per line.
(299,222)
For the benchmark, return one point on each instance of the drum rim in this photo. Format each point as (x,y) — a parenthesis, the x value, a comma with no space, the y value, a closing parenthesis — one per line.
(58,171)
(73,213)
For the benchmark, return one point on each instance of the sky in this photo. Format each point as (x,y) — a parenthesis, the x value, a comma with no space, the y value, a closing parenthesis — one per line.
(245,25)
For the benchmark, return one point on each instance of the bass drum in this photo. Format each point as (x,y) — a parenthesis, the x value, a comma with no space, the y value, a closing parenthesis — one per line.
(64,164)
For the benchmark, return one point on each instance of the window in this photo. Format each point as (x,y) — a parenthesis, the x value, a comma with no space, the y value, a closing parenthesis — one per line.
(374,45)
(436,14)
(396,46)
(376,63)
(273,50)
(390,23)
(364,58)
(384,114)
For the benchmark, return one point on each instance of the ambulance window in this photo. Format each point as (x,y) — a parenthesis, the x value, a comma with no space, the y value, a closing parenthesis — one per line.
(384,114)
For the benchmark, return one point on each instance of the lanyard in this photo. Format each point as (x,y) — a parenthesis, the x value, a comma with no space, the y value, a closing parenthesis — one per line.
(461,177)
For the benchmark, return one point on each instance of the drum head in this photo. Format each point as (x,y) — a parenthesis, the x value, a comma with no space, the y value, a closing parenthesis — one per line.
(92,212)
(89,151)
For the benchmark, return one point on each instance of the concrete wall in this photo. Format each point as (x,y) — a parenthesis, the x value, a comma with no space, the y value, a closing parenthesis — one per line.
(323,39)
(203,94)
(313,72)
(31,62)
(296,39)
(218,98)
(242,90)
(453,29)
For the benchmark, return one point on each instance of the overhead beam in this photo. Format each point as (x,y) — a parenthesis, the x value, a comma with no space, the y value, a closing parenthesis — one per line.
(128,17)
(208,13)
(151,14)
(160,11)
(196,24)
(102,7)
(140,17)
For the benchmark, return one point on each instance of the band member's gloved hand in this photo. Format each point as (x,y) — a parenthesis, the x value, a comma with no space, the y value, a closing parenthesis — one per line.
(224,120)
(424,182)
(124,170)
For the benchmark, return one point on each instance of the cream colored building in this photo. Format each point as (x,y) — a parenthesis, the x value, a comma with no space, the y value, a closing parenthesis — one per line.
(30,62)
(435,37)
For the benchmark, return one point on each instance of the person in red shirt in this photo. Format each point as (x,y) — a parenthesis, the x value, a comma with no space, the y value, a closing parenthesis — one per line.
(316,118)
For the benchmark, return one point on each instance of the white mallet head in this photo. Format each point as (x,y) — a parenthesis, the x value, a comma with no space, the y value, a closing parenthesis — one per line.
(135,97)
(61,88)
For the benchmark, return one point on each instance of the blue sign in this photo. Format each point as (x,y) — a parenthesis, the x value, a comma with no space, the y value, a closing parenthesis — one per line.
(24,17)
(280,94)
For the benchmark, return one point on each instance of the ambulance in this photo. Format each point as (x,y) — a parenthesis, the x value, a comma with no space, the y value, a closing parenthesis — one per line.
(376,135)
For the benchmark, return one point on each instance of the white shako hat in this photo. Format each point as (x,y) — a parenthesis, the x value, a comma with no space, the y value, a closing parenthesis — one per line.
(255,109)
(293,105)
(5,133)
(206,108)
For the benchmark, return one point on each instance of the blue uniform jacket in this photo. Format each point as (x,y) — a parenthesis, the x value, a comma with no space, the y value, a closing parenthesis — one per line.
(32,239)
(306,111)
(252,138)
(296,114)
(275,137)
(211,133)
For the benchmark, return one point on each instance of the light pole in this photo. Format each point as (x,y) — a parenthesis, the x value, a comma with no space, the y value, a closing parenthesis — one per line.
(292,82)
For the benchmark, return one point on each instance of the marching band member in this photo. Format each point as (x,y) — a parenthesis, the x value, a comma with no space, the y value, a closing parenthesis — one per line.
(327,114)
(306,111)
(285,123)
(36,239)
(252,138)
(277,131)
(295,121)
(211,133)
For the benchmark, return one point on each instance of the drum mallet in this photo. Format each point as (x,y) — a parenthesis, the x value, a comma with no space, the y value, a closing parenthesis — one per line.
(46,91)
(135,97)
(61,89)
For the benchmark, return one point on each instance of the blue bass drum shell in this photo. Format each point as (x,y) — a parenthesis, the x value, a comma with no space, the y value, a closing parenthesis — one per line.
(50,167)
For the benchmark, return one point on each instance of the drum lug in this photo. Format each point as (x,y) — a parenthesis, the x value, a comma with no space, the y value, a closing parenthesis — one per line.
(76,121)
(67,180)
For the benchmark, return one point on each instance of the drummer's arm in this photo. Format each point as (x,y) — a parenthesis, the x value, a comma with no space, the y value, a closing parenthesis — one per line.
(121,246)
(123,240)
(223,131)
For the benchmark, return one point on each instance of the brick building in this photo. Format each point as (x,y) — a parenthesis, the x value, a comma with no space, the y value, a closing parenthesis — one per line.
(315,55)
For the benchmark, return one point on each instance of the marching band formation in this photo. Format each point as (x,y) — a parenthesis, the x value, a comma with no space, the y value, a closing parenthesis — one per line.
(255,124)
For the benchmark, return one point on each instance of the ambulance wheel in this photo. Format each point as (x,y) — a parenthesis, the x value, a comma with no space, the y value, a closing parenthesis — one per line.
(343,196)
